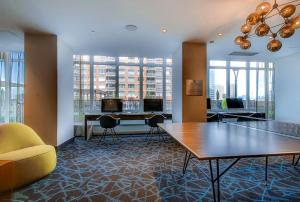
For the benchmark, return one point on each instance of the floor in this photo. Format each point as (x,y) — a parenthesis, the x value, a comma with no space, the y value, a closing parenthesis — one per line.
(134,169)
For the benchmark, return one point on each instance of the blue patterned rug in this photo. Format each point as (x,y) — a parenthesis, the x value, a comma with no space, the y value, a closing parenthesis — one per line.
(133,169)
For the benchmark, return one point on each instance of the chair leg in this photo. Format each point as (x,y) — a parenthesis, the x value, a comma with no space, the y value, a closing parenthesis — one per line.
(149,133)
(114,134)
(160,134)
(103,135)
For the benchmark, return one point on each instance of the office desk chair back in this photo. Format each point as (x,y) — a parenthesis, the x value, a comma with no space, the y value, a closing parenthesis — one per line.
(108,123)
(152,123)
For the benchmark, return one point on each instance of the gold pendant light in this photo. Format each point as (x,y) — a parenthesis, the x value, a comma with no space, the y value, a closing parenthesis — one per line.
(257,21)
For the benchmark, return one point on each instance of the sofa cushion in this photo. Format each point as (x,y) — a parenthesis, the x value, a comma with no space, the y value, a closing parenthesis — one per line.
(30,164)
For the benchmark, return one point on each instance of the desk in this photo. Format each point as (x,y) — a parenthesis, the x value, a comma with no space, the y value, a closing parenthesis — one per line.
(122,116)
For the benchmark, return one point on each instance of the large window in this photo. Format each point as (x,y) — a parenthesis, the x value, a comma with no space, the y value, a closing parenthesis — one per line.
(129,87)
(252,81)
(129,78)
(11,87)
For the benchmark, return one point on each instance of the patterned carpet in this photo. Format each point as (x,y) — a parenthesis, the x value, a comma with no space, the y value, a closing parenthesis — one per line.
(133,169)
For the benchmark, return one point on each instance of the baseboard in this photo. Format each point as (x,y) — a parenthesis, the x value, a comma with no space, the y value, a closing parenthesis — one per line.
(65,143)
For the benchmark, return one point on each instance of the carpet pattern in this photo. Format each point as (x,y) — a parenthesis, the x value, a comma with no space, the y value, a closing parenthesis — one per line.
(133,169)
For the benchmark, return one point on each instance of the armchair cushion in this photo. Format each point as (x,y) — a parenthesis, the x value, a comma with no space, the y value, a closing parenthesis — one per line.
(29,157)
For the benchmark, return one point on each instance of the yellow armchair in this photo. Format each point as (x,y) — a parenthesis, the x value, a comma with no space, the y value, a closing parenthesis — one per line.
(30,158)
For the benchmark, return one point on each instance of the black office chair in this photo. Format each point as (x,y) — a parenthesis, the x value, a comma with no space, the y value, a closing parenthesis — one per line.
(154,128)
(108,123)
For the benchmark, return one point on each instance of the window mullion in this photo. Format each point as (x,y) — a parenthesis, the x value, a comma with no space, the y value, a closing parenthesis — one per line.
(92,90)
(141,85)
(248,86)
(164,84)
(117,77)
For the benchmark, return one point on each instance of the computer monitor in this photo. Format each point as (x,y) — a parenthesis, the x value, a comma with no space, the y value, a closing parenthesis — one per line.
(111,105)
(153,105)
(208,103)
(235,103)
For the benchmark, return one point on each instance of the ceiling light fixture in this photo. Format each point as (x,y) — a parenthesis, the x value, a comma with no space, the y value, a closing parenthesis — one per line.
(258,21)
(131,27)
(220,34)
(164,30)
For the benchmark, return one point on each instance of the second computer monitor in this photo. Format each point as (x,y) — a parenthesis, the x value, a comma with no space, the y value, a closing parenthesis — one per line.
(153,105)
(235,103)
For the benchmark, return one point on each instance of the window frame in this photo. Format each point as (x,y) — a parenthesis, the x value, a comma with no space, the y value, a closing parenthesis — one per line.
(118,64)
(268,66)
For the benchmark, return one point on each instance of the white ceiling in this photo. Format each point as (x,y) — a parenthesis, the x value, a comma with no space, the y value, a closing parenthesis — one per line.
(197,20)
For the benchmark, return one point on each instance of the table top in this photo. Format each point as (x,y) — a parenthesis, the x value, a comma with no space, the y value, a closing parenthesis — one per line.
(222,140)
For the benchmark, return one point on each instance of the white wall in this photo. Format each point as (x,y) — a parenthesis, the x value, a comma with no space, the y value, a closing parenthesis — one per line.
(65,121)
(287,89)
(177,85)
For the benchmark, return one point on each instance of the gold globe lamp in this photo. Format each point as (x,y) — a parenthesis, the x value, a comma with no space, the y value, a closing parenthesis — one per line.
(263,8)
(246,44)
(274,45)
(239,39)
(246,28)
(287,11)
(262,30)
(286,31)
(296,22)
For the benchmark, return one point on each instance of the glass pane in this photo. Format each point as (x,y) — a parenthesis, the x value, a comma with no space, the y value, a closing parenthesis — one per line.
(104,83)
(253,80)
(104,59)
(261,65)
(261,91)
(129,80)
(217,87)
(238,64)
(169,61)
(82,58)
(271,100)
(270,65)
(169,89)
(2,70)
(155,61)
(217,63)
(253,64)
(2,104)
(81,91)
(132,60)
(238,84)
(153,82)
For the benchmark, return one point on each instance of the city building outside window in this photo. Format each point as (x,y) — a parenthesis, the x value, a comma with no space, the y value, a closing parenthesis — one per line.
(253,81)
(11,87)
(129,78)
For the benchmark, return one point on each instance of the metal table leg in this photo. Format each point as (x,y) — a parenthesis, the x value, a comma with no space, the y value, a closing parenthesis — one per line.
(186,161)
(266,171)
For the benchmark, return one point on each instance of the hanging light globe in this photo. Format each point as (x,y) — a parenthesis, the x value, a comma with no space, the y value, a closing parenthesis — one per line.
(296,22)
(287,11)
(253,18)
(246,28)
(246,44)
(274,45)
(262,30)
(286,31)
(263,8)
(239,39)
